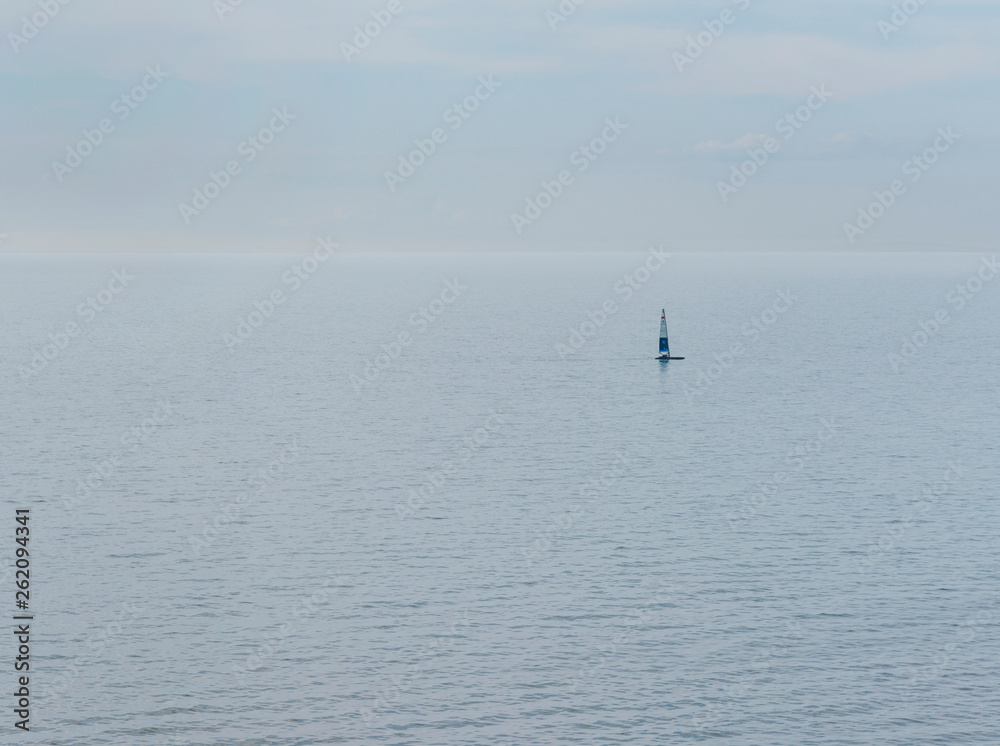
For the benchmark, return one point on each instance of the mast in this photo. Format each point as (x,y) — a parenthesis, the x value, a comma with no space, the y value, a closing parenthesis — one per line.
(664,340)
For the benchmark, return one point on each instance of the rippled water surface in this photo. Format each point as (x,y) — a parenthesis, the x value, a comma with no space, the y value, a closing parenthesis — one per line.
(499,532)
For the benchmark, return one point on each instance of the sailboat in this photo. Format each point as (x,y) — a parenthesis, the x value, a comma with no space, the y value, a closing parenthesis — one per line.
(665,340)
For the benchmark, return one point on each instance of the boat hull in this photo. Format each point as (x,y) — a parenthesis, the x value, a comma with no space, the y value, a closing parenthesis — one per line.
(667,357)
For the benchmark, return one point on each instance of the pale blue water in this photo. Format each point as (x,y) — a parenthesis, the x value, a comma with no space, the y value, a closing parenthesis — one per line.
(673,603)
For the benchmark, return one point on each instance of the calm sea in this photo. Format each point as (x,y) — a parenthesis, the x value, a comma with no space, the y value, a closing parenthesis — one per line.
(437,499)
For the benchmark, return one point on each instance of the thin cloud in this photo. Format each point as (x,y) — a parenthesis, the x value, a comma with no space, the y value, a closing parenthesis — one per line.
(747,141)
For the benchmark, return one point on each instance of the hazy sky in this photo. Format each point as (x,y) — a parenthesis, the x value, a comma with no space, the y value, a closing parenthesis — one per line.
(671,113)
